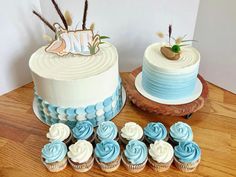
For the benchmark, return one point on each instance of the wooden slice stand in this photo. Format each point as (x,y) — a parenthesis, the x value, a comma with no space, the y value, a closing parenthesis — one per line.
(153,107)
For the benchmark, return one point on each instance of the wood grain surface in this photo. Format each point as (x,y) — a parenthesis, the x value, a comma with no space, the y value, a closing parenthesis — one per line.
(22,136)
(153,107)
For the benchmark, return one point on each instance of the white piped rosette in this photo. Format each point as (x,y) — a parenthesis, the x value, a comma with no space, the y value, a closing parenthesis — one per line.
(161,155)
(131,131)
(59,131)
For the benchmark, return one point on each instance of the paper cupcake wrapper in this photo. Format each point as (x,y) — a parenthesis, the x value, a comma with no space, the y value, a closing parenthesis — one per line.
(159,167)
(97,140)
(111,166)
(82,167)
(151,142)
(90,139)
(186,167)
(56,166)
(133,168)
(125,141)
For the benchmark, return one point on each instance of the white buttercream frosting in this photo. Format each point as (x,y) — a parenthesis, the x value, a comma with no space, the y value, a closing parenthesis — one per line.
(189,59)
(81,151)
(161,151)
(132,131)
(75,80)
(58,131)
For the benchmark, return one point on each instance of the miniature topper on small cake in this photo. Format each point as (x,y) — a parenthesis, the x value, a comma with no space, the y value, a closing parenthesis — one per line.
(77,41)
(173,52)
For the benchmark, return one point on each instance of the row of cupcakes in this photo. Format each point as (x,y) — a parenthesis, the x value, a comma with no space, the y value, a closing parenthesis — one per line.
(187,153)
(107,154)
(84,130)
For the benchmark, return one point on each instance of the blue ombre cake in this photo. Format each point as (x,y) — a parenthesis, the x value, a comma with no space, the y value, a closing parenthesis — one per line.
(170,79)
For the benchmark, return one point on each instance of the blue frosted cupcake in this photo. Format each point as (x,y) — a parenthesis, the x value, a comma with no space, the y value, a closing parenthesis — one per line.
(107,155)
(155,131)
(54,157)
(106,130)
(187,156)
(134,156)
(180,132)
(83,131)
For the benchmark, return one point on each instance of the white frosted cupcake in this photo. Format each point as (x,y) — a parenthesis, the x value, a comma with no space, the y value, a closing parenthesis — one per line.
(61,132)
(131,131)
(161,156)
(80,156)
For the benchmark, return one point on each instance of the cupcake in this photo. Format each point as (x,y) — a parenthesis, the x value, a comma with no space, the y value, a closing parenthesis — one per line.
(61,132)
(107,155)
(131,131)
(161,155)
(155,131)
(180,132)
(187,156)
(106,130)
(54,156)
(80,156)
(83,131)
(134,156)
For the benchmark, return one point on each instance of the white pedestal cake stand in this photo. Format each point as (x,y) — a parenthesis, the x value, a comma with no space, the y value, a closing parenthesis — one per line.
(36,111)
(184,107)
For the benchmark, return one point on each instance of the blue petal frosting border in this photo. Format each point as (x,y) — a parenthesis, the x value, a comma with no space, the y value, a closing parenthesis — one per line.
(51,114)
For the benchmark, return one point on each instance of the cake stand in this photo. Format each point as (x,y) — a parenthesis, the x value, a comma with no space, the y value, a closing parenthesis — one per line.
(150,106)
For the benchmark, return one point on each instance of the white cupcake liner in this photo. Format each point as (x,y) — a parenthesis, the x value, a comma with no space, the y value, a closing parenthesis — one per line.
(186,167)
(157,166)
(109,167)
(55,166)
(82,167)
(133,168)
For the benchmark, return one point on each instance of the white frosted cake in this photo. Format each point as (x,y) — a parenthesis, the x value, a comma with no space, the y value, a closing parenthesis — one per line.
(170,79)
(75,88)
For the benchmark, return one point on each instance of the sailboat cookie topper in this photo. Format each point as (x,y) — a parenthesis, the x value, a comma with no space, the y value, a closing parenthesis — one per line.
(76,42)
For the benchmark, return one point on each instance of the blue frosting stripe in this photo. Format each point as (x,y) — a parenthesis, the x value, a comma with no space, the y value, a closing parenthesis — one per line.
(136,152)
(155,131)
(96,113)
(168,85)
(107,150)
(187,151)
(54,151)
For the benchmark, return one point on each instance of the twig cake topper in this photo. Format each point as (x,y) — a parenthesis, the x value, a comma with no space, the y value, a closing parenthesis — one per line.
(79,41)
(173,51)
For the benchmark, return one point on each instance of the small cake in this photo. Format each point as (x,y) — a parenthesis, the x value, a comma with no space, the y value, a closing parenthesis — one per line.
(106,130)
(107,155)
(134,156)
(155,131)
(60,131)
(83,131)
(179,132)
(131,131)
(80,156)
(187,156)
(161,155)
(54,157)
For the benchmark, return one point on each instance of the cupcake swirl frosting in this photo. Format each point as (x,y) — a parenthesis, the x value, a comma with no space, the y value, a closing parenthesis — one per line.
(187,151)
(58,131)
(132,131)
(155,131)
(54,151)
(83,130)
(81,151)
(161,151)
(136,152)
(181,132)
(107,130)
(107,150)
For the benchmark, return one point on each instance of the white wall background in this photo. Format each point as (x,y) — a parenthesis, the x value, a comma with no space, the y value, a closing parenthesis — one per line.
(216,32)
(131,24)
